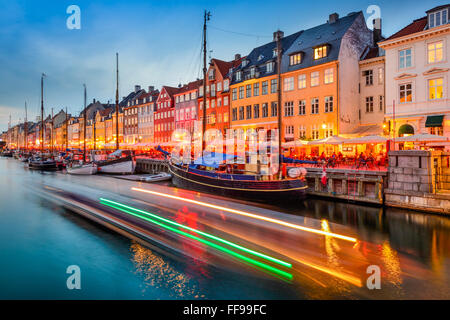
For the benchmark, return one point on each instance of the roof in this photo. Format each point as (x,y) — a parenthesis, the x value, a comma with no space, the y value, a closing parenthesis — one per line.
(259,56)
(194,85)
(372,52)
(330,34)
(438,8)
(414,27)
(225,66)
(170,90)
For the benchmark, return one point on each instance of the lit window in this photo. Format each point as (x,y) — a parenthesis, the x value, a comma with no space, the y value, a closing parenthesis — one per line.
(295,59)
(314,79)
(289,84)
(302,81)
(320,52)
(436,88)
(435,52)
(329,75)
(405,93)
(380,75)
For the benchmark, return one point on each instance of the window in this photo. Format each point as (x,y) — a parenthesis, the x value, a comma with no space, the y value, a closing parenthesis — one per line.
(439,131)
(265,110)
(269,67)
(289,84)
(289,130)
(264,89)
(234,94)
(256,89)
(226,85)
(381,101)
(219,102)
(368,74)
(213,90)
(213,103)
(404,58)
(249,112)
(329,130)
(219,86)
(241,113)
(315,132)
(252,72)
(225,117)
(320,52)
(435,52)
(238,76)
(302,132)
(225,101)
(438,18)
(302,107)
(302,81)
(295,59)
(248,91)
(329,75)
(405,92)
(436,89)
(241,92)
(315,105)
(256,111)
(273,85)
(369,104)
(315,79)
(329,104)
(380,75)
(207,104)
(273,108)
(289,108)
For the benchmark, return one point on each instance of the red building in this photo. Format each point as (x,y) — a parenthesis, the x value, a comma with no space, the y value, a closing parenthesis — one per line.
(218,94)
(165,114)
(186,106)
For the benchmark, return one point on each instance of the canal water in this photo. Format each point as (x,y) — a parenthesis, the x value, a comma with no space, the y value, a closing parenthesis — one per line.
(39,240)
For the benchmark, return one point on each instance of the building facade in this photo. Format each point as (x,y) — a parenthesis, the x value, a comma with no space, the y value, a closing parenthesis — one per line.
(417,77)
(186,106)
(165,114)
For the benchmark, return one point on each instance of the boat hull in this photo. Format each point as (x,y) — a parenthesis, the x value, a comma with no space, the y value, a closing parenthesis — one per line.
(272,190)
(82,170)
(43,166)
(126,166)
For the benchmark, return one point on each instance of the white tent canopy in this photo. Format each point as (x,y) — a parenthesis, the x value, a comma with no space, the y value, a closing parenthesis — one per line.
(333,140)
(296,143)
(422,137)
(366,139)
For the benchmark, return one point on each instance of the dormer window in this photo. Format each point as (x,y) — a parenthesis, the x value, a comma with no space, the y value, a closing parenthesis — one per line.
(252,71)
(269,67)
(275,52)
(260,57)
(212,74)
(321,52)
(244,63)
(437,18)
(295,59)
(238,76)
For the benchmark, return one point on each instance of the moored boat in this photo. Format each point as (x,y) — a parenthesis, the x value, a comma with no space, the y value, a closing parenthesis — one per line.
(43,165)
(82,169)
(124,165)
(248,186)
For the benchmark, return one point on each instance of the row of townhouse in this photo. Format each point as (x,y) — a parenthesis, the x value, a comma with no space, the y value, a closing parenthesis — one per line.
(337,78)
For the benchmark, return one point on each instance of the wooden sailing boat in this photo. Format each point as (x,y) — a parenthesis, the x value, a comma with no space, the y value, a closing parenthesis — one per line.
(242,184)
(120,161)
(83,168)
(41,163)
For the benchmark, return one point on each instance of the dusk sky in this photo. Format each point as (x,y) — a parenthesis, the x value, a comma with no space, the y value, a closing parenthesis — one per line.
(159,43)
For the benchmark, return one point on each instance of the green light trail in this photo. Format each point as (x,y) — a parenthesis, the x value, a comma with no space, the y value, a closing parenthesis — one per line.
(248,260)
(231,244)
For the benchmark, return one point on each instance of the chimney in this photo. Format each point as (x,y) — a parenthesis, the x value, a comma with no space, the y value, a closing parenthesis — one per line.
(278,35)
(237,56)
(377,37)
(93,100)
(333,18)
(137,88)
(151,89)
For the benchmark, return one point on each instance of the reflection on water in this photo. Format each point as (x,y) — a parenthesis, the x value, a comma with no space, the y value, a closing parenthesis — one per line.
(158,273)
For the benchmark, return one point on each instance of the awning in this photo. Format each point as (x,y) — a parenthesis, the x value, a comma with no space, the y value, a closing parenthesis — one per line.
(434,121)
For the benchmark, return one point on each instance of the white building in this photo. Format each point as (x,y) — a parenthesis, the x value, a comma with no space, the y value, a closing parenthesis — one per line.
(417,76)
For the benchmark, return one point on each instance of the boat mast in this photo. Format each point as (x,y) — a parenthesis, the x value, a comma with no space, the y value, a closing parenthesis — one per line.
(67,131)
(117,101)
(84,125)
(206,18)
(26,128)
(280,125)
(42,113)
(95,133)
(51,136)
